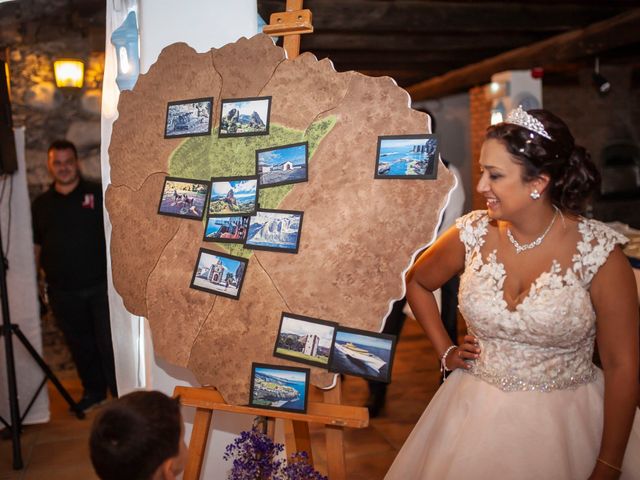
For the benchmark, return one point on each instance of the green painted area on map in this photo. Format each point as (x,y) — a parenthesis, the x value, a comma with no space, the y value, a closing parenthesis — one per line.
(209,156)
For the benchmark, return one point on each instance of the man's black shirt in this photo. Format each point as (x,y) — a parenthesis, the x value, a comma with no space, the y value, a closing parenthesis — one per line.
(70,231)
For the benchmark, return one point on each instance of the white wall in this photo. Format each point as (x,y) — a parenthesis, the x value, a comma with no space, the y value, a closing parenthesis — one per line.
(203,24)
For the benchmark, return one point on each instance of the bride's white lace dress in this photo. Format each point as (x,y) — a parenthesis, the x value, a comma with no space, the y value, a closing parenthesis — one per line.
(532,405)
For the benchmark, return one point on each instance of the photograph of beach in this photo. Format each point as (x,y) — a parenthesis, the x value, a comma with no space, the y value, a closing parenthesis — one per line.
(363,354)
(183,198)
(233,196)
(279,388)
(304,339)
(411,156)
(282,165)
(219,273)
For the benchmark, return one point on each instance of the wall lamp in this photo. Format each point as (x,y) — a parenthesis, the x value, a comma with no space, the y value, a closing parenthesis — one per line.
(68,72)
(603,86)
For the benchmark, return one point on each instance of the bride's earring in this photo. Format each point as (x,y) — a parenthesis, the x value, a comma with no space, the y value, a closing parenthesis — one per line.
(535,194)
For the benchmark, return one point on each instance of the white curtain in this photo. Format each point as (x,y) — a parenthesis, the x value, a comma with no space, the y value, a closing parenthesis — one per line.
(17,242)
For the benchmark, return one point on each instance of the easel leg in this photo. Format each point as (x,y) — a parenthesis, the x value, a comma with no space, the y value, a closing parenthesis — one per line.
(335,439)
(297,439)
(198,443)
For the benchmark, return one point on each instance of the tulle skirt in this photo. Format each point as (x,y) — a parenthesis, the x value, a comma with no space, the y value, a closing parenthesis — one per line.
(471,429)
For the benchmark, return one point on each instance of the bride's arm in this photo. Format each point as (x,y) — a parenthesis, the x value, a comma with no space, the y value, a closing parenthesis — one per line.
(613,293)
(440,262)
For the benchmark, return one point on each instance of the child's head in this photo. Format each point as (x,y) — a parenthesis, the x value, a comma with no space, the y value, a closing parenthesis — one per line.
(139,436)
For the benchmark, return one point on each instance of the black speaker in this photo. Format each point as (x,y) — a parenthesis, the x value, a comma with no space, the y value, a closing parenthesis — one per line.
(8,159)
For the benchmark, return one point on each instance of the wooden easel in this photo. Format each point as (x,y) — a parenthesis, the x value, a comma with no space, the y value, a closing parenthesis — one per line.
(333,416)
(330,413)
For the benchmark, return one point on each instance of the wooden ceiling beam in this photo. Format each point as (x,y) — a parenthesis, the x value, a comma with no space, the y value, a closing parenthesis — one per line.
(416,42)
(624,29)
(370,57)
(440,16)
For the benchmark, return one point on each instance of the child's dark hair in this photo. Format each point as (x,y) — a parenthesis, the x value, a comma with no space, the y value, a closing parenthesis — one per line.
(133,435)
(573,176)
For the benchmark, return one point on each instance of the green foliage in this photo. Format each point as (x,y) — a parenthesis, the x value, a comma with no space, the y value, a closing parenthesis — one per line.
(209,156)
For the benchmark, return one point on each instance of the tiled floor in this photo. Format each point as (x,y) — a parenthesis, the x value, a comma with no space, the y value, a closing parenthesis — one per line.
(58,450)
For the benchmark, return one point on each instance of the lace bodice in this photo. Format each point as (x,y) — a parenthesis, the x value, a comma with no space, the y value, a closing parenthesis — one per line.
(546,343)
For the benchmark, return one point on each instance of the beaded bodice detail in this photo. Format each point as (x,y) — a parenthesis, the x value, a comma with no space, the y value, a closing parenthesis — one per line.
(547,342)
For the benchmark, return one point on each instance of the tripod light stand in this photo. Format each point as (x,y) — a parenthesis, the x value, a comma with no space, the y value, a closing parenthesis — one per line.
(8,330)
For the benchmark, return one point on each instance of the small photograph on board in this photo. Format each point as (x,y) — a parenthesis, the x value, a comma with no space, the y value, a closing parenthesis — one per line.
(279,388)
(275,230)
(183,197)
(363,354)
(282,165)
(407,157)
(188,118)
(233,196)
(241,117)
(219,273)
(226,229)
(304,339)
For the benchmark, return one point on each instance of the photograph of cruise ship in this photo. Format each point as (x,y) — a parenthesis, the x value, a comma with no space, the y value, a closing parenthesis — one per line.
(363,354)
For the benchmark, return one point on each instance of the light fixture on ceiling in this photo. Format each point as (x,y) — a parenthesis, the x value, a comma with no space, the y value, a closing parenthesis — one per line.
(69,72)
(603,86)
(125,40)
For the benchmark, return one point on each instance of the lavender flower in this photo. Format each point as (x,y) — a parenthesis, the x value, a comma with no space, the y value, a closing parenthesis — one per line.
(254,457)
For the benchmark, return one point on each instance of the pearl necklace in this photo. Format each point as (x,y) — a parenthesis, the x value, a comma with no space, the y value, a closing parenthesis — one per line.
(536,242)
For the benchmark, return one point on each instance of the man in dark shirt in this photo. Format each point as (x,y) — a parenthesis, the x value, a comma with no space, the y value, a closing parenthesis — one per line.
(68,234)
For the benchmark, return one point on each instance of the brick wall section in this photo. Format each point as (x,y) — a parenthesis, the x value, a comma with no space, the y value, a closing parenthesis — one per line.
(480,111)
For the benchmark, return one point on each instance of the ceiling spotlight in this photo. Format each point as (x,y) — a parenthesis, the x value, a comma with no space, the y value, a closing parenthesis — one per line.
(603,86)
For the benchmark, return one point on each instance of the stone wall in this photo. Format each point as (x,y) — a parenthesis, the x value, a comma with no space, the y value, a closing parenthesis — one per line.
(49,113)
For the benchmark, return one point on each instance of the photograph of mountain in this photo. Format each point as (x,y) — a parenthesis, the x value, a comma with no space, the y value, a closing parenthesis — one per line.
(188,118)
(233,196)
(276,230)
(244,116)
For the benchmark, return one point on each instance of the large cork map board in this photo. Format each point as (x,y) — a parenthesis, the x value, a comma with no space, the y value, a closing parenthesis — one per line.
(358,236)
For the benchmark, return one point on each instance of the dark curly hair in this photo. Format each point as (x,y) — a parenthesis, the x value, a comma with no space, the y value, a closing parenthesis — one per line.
(573,176)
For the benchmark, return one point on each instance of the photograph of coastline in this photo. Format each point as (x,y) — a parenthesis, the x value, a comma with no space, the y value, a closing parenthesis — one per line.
(188,118)
(183,197)
(219,273)
(241,117)
(279,388)
(407,156)
(363,354)
(275,230)
(226,229)
(304,339)
(233,196)
(282,165)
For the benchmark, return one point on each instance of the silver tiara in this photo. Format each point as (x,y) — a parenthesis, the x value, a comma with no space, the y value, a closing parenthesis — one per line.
(523,119)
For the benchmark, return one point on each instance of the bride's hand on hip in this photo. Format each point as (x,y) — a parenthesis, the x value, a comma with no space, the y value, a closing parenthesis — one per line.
(468,350)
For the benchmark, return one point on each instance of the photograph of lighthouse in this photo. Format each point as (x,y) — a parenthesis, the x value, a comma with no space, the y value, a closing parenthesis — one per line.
(279,388)
(282,165)
(219,273)
(304,339)
(275,230)
(363,354)
(233,196)
(407,157)
(242,117)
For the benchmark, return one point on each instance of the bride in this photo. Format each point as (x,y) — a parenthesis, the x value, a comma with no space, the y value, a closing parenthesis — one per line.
(540,283)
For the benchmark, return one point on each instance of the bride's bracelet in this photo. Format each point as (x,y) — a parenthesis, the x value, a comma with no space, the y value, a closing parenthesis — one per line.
(613,467)
(443,360)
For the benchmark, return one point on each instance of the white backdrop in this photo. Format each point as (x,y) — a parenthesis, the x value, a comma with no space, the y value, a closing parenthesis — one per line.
(203,24)
(22,292)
